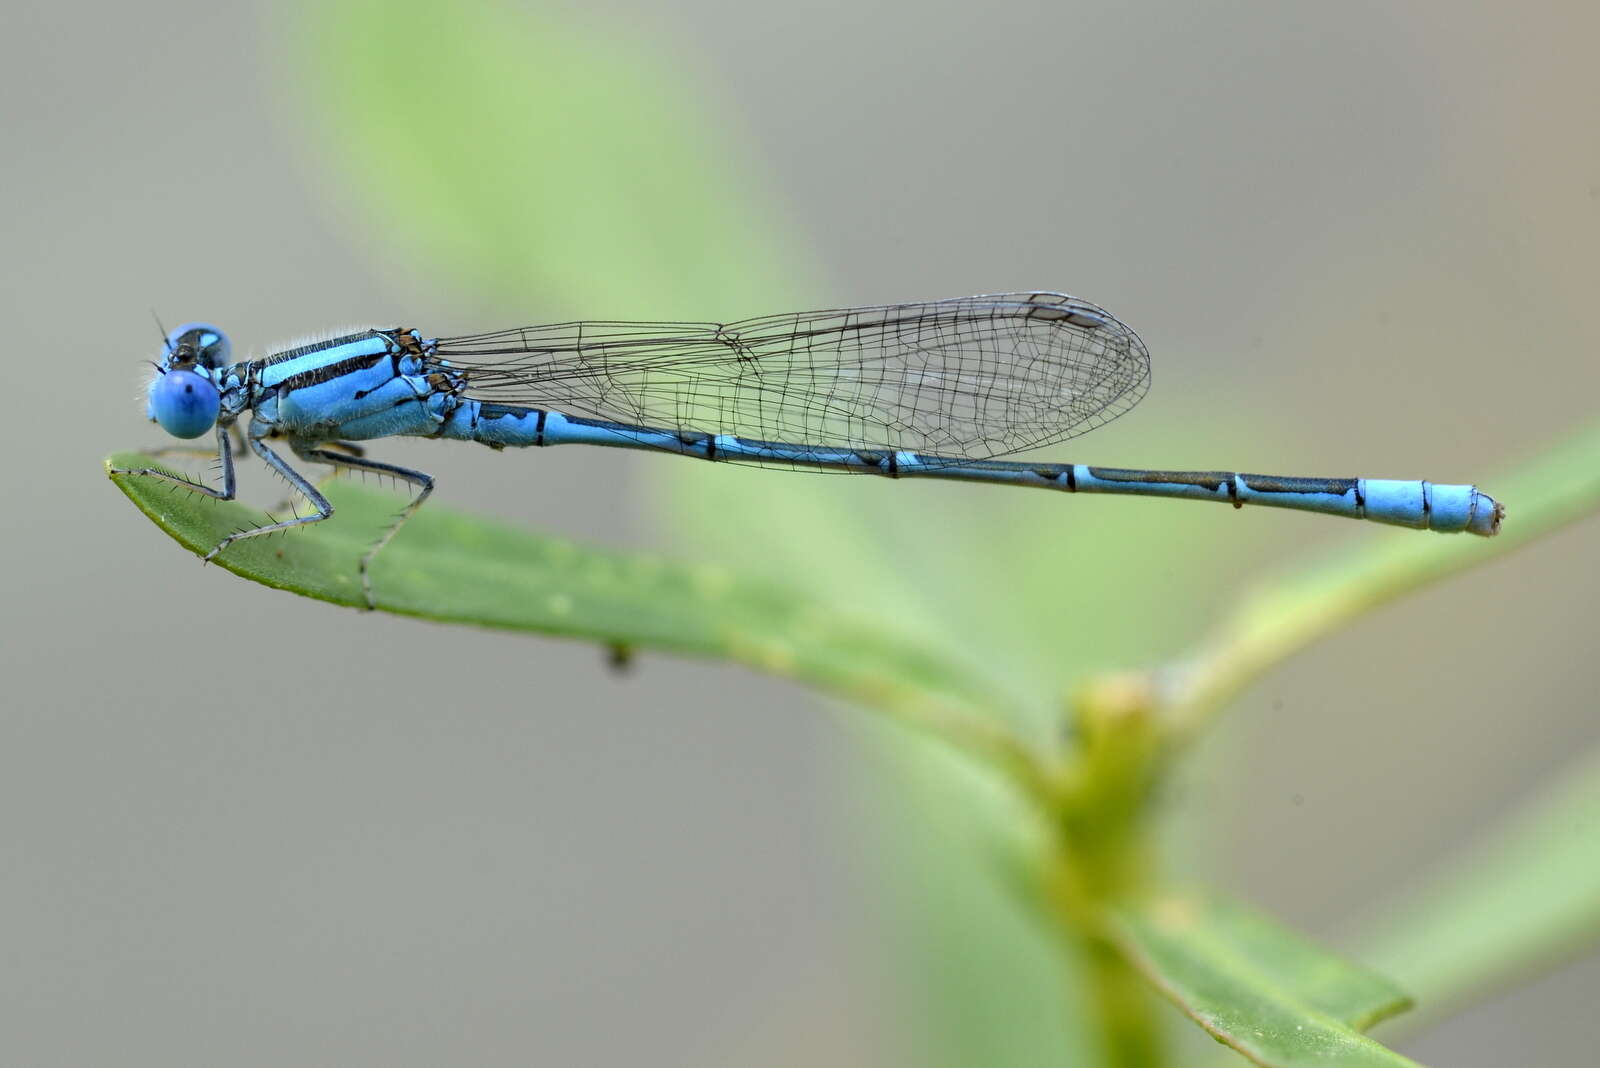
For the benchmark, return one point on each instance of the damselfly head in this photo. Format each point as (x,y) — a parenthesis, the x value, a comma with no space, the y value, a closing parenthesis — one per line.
(196,344)
(184,402)
(182,395)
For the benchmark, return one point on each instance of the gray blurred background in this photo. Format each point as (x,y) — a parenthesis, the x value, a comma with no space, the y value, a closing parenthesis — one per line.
(240,827)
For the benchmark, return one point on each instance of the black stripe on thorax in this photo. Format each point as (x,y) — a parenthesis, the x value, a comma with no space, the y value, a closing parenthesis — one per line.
(315,346)
(328,372)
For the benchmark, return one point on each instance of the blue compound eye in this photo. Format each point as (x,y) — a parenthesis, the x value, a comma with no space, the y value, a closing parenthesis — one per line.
(199,343)
(184,403)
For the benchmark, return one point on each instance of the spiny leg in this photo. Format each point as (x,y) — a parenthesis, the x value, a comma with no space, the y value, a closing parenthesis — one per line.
(296,480)
(224,454)
(358,463)
(345,446)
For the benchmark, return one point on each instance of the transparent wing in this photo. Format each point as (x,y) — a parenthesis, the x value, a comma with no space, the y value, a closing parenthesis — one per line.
(975,377)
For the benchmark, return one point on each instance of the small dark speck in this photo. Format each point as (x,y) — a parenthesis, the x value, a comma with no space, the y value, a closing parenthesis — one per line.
(1298,799)
(619,657)
(1277,704)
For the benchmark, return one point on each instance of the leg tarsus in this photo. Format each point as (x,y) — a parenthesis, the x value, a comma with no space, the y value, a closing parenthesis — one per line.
(224,457)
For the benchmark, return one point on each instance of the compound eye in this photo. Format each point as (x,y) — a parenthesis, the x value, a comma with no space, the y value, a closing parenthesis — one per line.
(184,403)
(199,343)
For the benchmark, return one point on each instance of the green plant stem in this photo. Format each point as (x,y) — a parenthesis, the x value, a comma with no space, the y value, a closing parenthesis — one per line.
(1118,1000)
(1130,1029)
(1102,819)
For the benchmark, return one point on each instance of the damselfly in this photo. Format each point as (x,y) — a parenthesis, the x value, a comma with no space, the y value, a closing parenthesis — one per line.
(937,389)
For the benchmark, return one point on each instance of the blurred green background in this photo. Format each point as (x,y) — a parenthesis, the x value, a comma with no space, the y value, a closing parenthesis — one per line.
(241,826)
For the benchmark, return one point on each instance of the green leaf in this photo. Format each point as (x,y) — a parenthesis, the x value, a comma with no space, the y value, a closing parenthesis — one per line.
(456,568)
(550,160)
(1526,896)
(1257,987)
